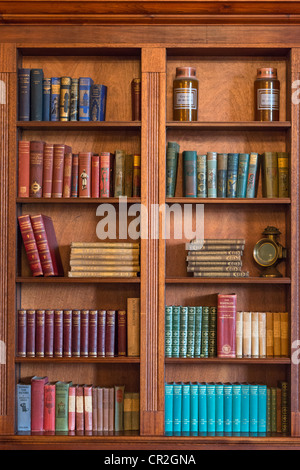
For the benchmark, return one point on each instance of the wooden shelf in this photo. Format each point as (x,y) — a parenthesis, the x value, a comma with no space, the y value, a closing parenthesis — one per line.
(81,280)
(227,200)
(218,360)
(227,280)
(79,360)
(78,200)
(78,125)
(230,125)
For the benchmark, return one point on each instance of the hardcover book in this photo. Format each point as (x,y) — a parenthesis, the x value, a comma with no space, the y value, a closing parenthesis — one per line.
(36,168)
(37,403)
(172,155)
(189,159)
(226,321)
(55,99)
(23,407)
(24,168)
(98,102)
(85,84)
(36,94)
(24,94)
(30,245)
(46,98)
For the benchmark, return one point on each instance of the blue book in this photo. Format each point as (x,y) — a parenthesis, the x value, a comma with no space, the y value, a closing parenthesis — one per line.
(236,407)
(211,407)
(252,177)
(253,408)
(186,408)
(241,186)
(169,408)
(189,162)
(85,88)
(194,408)
(24,94)
(202,408)
(36,94)
(177,408)
(232,172)
(262,408)
(219,407)
(211,162)
(55,99)
(23,407)
(98,102)
(198,330)
(46,98)
(245,408)
(228,408)
(175,330)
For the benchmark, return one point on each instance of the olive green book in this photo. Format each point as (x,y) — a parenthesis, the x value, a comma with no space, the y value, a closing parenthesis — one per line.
(273,409)
(175,330)
(205,332)
(172,155)
(283,174)
(201,176)
(127,411)
(128,175)
(190,352)
(269,175)
(62,406)
(183,331)
(168,330)
(212,332)
(284,406)
(198,330)
(119,173)
(119,407)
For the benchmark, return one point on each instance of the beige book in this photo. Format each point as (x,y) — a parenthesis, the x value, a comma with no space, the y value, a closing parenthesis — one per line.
(104,251)
(284,334)
(101,274)
(239,334)
(254,335)
(135,418)
(247,334)
(127,411)
(270,334)
(276,334)
(103,268)
(105,245)
(262,325)
(133,326)
(103,262)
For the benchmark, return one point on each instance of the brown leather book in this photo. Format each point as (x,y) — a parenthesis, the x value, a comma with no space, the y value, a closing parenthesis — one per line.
(110,333)
(136,99)
(67,333)
(58,333)
(58,168)
(93,319)
(30,245)
(49,333)
(101,333)
(67,179)
(30,333)
(84,174)
(76,333)
(74,178)
(95,184)
(24,168)
(21,349)
(36,168)
(48,170)
(79,408)
(270,334)
(122,332)
(84,333)
(40,333)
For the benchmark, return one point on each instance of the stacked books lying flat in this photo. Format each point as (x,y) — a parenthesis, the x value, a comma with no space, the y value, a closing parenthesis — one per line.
(79,333)
(104,259)
(44,406)
(215,257)
(225,408)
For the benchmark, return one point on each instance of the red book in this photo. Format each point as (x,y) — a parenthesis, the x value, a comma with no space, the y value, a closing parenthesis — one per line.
(79,408)
(21,349)
(47,245)
(93,318)
(74,179)
(48,170)
(88,408)
(49,333)
(24,168)
(122,332)
(67,175)
(95,190)
(84,174)
(110,328)
(36,168)
(40,333)
(226,320)
(95,408)
(30,333)
(76,333)
(101,333)
(49,407)
(58,168)
(67,333)
(58,333)
(84,333)
(37,403)
(72,401)
(30,245)
(106,174)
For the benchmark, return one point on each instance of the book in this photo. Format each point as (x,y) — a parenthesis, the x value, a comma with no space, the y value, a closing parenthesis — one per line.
(276,334)
(175,330)
(136,178)
(49,407)
(110,331)
(194,408)
(133,327)
(283,174)
(74,175)
(23,168)
(37,403)
(49,333)
(228,408)
(136,99)
(186,409)
(36,168)
(58,332)
(72,408)
(247,324)
(106,174)
(74,94)
(242,175)
(205,332)
(169,392)
(212,172)
(269,334)
(239,334)
(67,333)
(232,173)
(202,409)
(211,407)
(253,175)
(269,175)
(46,98)
(23,400)
(67,175)
(30,332)
(85,84)
(222,174)
(183,331)
(212,332)
(254,335)
(36,94)
(21,333)
(95,176)
(48,169)
(24,94)
(190,350)
(121,333)
(128,175)
(84,333)
(119,407)
(219,407)
(284,334)
(236,407)
(79,408)
(88,407)
(201,176)
(119,173)
(76,331)
(172,155)
(177,408)
(84,174)
(98,102)
(62,406)
(40,333)
(30,245)
(189,159)
(65,92)
(55,99)
(101,324)
(262,324)
(226,321)
(99,409)
(59,151)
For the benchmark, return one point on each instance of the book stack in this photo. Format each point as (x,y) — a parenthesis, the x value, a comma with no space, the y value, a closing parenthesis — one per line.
(200,408)
(215,257)
(79,333)
(59,98)
(104,259)
(54,171)
(44,406)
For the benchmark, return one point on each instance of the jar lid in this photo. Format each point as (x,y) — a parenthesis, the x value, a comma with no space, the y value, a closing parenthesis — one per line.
(185,72)
(267,73)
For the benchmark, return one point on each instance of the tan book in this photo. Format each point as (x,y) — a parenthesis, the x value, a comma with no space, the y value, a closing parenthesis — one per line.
(102,258)
(104,263)
(239,334)
(106,245)
(105,409)
(133,326)
(127,411)
(276,334)
(104,251)
(254,335)
(101,274)
(284,334)
(270,334)
(247,334)
(135,418)
(262,326)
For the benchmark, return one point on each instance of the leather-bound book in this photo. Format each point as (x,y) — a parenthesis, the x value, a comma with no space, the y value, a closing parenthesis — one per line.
(99,409)
(122,332)
(93,320)
(221,174)
(76,333)
(65,98)
(67,333)
(88,408)
(67,179)
(30,245)
(46,98)
(47,245)
(133,327)
(283,174)
(111,409)
(136,99)
(101,333)
(232,173)
(48,170)
(21,348)
(110,328)
(40,333)
(37,403)
(49,407)
(84,174)
(72,407)
(58,333)
(24,94)
(242,177)
(24,168)
(136,178)
(55,99)
(95,188)
(105,408)
(36,94)
(98,102)
(74,99)
(226,321)
(189,159)
(58,168)
(119,173)
(36,168)
(62,406)
(74,178)
(95,409)
(253,175)
(269,174)
(84,333)
(49,333)
(128,175)
(30,332)
(106,174)
(85,85)
(79,408)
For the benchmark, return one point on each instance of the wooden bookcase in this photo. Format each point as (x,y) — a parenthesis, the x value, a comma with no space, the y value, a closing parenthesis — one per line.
(226,65)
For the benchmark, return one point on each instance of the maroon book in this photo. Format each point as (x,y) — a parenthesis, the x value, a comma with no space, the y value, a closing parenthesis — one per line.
(88,408)
(58,333)
(21,348)
(24,168)
(49,407)
(67,333)
(74,179)
(36,168)
(58,168)
(84,333)
(226,320)
(67,181)
(48,170)
(110,329)
(101,333)
(40,333)
(79,408)
(106,174)
(122,333)
(72,407)
(49,333)
(95,189)
(30,333)
(84,174)
(93,319)
(30,245)
(37,403)
(76,333)
(47,245)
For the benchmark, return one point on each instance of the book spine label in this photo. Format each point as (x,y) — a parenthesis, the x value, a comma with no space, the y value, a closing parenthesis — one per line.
(46,98)
(48,170)
(189,173)
(243,168)
(30,245)
(136,179)
(74,177)
(85,85)
(21,348)
(171,169)
(40,333)
(76,333)
(110,329)
(201,176)
(93,327)
(74,93)
(58,170)
(95,188)
(119,178)
(122,332)
(49,333)
(67,333)
(67,178)
(101,333)
(84,333)
(232,172)
(55,99)
(58,333)
(24,94)
(30,333)
(226,321)
(24,168)
(98,102)
(49,407)
(84,174)
(36,94)
(65,90)
(222,174)
(36,168)
(252,175)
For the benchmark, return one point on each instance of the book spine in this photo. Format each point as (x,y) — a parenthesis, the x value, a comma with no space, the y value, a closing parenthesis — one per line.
(211,408)
(136,99)
(190,350)
(30,245)
(49,407)
(49,333)
(36,168)
(221,274)
(67,333)
(232,172)
(76,328)
(127,411)
(262,409)
(212,169)
(172,155)
(177,407)
(88,408)
(84,333)
(119,177)
(101,333)
(23,398)
(245,408)
(219,406)
(72,408)
(136,179)
(40,333)
(79,408)
(58,170)
(119,407)
(74,177)
(100,409)
(252,175)
(205,330)
(262,324)
(283,174)
(74,94)
(183,332)
(30,333)
(37,403)
(168,331)
(94,409)
(243,167)
(222,174)
(270,335)
(276,334)
(254,335)
(58,333)
(46,98)
(247,334)
(228,408)
(198,330)
(55,99)
(284,334)
(98,102)
(110,329)
(189,173)
(36,94)
(133,327)
(201,176)
(95,173)
(128,175)
(212,332)
(52,243)
(67,174)
(48,169)
(270,175)
(194,405)
(92,336)
(65,92)
(106,165)
(105,408)
(135,418)
(202,407)
(111,409)
(253,408)
(121,332)
(226,321)
(21,342)
(24,94)
(42,244)
(85,84)
(236,407)
(186,409)
(239,334)
(84,174)
(61,406)
(285,422)
(23,168)
(175,330)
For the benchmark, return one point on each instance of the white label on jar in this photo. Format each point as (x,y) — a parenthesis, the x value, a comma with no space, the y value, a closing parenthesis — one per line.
(267,99)
(185,98)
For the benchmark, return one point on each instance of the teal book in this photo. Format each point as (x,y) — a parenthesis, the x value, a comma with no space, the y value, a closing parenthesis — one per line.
(228,408)
(189,159)
(169,408)
(212,168)
(236,407)
(232,173)
(219,407)
(262,408)
(245,408)
(198,329)
(168,330)
(194,408)
(23,407)
(201,176)
(253,175)
(268,409)
(204,335)
(211,407)
(253,408)
(172,155)
(183,331)
(62,406)
(202,402)
(241,186)
(222,174)
(212,332)
(190,352)
(177,408)
(175,330)
(186,409)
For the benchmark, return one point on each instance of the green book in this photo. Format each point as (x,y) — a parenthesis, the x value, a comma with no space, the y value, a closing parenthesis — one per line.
(189,159)
(183,331)
(201,176)
(62,406)
(211,174)
(241,186)
(119,407)
(283,174)
(190,352)
(204,335)
(175,330)
(198,330)
(119,173)
(222,174)
(168,331)
(269,175)
(212,332)
(273,409)
(172,155)
(128,175)
(284,407)
(252,178)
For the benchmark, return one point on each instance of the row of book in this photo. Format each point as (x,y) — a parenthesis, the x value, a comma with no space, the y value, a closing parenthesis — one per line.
(50,407)
(59,98)
(104,259)
(192,331)
(216,257)
(225,408)
(79,333)
(52,170)
(227,175)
